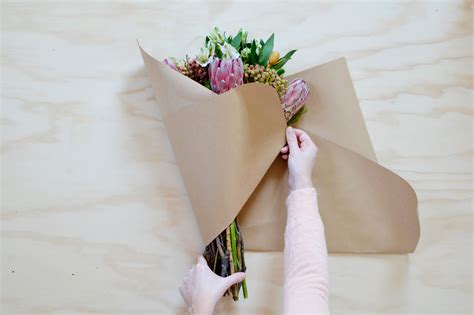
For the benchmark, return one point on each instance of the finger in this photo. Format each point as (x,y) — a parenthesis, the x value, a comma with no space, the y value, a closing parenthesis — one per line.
(284,149)
(201,260)
(285,156)
(234,278)
(292,140)
(298,132)
(183,294)
(303,137)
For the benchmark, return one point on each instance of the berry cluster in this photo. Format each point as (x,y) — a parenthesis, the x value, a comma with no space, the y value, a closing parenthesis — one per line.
(257,73)
(193,70)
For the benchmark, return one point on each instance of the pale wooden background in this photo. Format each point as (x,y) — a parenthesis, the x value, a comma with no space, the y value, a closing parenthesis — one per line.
(95,218)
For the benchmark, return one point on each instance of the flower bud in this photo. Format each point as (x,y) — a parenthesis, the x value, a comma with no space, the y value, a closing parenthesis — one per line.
(274,57)
(295,97)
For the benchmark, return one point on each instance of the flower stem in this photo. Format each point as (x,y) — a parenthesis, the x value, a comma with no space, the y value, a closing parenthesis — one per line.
(233,236)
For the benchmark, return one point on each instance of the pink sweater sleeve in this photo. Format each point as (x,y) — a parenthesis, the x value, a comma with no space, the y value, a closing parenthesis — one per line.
(306,288)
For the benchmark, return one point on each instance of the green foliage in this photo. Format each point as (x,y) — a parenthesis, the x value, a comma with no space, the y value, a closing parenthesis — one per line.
(236,41)
(253,53)
(266,51)
(281,62)
(218,52)
(296,117)
(256,56)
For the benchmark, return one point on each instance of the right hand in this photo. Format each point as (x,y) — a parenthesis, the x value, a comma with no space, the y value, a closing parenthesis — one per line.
(300,152)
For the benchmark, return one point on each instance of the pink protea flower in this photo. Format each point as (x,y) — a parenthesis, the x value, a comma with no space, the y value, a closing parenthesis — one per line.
(295,97)
(226,74)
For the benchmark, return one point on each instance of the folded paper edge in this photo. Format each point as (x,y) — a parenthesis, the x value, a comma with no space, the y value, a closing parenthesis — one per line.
(236,91)
(418,232)
(404,182)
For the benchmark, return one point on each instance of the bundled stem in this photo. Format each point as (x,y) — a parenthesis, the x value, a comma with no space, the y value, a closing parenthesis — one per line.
(225,256)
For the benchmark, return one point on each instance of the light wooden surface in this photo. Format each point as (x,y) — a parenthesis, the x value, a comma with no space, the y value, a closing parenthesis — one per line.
(95,218)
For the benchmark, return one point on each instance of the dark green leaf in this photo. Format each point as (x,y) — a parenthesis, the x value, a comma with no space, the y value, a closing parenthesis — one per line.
(266,51)
(236,41)
(253,53)
(281,62)
(296,117)
(218,52)
(207,40)
(280,71)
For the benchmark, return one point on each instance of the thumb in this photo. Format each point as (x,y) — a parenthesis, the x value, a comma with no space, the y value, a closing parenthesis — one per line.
(292,140)
(234,279)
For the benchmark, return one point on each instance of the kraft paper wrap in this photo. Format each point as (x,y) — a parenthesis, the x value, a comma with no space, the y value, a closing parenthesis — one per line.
(227,150)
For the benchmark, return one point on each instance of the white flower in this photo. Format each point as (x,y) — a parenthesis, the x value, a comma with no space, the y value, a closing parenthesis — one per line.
(228,51)
(259,48)
(205,56)
(216,37)
(245,52)
(244,35)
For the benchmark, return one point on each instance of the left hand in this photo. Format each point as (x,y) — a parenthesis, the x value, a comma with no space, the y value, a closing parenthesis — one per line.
(202,288)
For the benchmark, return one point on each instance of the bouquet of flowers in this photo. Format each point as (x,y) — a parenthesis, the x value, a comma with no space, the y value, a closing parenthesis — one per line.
(226,153)
(223,63)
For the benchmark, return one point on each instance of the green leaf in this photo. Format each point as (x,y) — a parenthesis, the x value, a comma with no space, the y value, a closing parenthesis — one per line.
(218,52)
(262,42)
(296,117)
(207,40)
(236,41)
(207,84)
(281,62)
(266,51)
(280,71)
(253,53)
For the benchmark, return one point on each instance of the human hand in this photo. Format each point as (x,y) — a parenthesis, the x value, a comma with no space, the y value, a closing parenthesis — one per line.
(202,288)
(300,152)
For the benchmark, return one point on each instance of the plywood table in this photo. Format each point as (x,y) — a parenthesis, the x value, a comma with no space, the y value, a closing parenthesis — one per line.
(95,217)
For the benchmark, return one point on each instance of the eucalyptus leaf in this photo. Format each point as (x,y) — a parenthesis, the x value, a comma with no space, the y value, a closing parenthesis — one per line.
(266,51)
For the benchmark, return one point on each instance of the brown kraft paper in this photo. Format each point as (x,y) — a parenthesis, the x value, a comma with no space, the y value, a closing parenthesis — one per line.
(227,150)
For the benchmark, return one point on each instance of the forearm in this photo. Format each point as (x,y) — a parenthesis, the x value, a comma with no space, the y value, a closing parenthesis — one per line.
(306,273)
